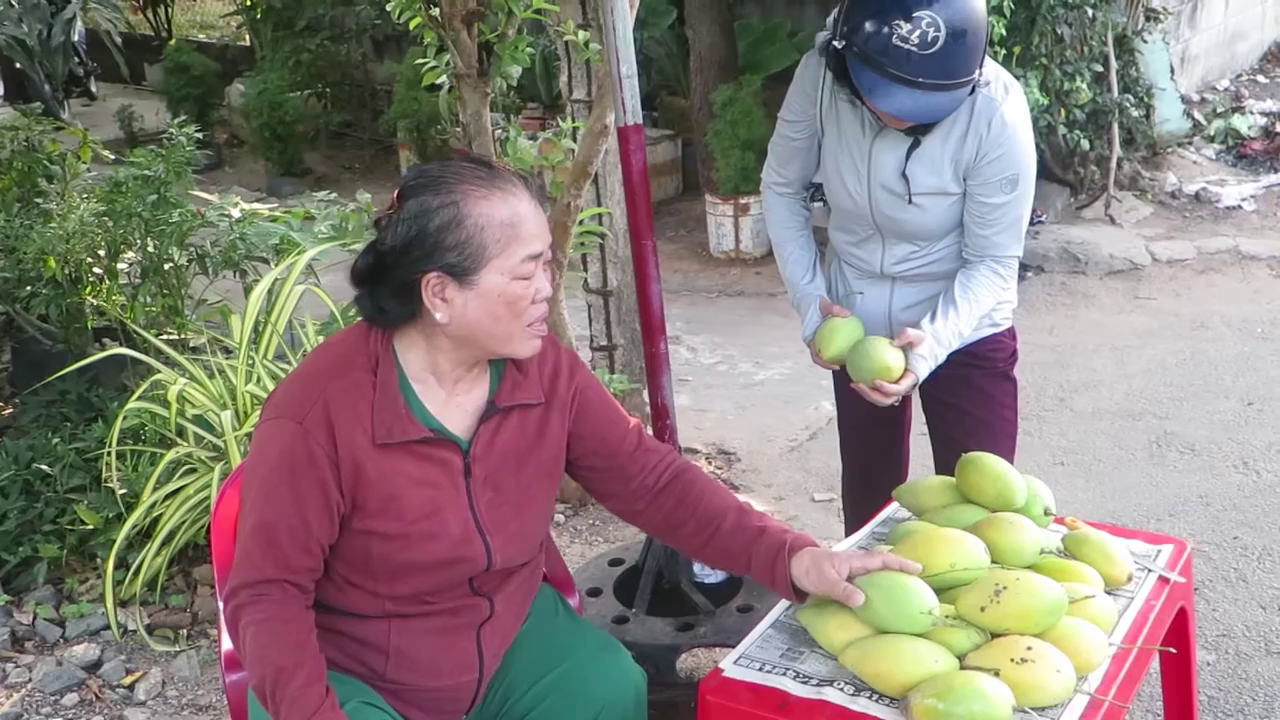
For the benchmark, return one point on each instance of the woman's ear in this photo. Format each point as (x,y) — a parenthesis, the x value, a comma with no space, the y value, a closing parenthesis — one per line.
(437,292)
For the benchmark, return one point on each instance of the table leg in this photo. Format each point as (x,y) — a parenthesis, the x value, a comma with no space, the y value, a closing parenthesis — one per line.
(1179,669)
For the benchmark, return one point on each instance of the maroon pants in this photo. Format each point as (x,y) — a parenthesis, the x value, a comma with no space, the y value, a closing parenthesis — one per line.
(970,402)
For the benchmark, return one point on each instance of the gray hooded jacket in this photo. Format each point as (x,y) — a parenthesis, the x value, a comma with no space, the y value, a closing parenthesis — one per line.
(930,238)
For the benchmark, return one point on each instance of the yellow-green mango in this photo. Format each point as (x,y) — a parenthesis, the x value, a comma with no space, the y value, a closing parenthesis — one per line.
(1089,603)
(906,528)
(833,625)
(1081,641)
(956,635)
(1013,602)
(924,494)
(835,336)
(1067,570)
(958,516)
(988,480)
(1038,673)
(948,557)
(893,664)
(1041,507)
(896,602)
(949,596)
(1102,551)
(1013,540)
(960,695)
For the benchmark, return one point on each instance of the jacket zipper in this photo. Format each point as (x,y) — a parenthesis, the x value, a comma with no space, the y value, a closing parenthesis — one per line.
(488,555)
(871,211)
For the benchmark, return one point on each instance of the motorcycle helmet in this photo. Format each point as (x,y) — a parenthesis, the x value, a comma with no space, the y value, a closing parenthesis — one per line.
(916,60)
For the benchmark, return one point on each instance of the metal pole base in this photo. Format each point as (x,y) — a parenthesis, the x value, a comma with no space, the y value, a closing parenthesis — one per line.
(674,621)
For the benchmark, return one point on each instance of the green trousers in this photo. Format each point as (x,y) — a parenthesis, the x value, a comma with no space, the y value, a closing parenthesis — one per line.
(560,667)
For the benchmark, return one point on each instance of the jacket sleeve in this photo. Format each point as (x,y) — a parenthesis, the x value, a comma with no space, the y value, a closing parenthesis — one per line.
(291,508)
(650,485)
(999,195)
(789,170)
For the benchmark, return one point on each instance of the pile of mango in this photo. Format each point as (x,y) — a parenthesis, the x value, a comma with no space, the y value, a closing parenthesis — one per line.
(1005,614)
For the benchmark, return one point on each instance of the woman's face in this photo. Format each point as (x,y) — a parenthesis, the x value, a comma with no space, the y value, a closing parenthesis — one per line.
(503,313)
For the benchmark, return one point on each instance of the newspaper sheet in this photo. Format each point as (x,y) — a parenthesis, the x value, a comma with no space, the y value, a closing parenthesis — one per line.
(780,653)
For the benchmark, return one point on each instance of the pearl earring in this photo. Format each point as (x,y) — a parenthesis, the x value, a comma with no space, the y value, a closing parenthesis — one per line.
(439,317)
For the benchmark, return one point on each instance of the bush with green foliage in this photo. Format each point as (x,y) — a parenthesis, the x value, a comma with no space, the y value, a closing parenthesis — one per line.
(275,109)
(192,85)
(738,135)
(422,117)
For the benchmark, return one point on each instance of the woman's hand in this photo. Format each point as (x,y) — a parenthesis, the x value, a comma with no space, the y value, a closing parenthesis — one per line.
(828,309)
(885,394)
(818,571)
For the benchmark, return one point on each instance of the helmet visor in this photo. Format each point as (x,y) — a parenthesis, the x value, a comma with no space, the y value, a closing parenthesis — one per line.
(908,104)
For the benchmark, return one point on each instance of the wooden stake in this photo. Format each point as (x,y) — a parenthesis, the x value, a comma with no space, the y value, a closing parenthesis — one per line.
(1115,125)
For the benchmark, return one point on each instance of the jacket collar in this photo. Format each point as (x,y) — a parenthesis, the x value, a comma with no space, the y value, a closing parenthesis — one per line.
(393,421)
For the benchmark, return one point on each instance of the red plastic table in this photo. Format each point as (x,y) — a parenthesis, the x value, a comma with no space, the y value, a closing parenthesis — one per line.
(1167,619)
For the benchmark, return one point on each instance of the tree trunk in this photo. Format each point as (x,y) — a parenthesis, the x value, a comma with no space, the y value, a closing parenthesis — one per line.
(474,98)
(595,179)
(713,61)
(458,20)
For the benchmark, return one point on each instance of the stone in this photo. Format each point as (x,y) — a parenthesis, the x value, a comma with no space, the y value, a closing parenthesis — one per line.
(23,633)
(60,679)
(1089,248)
(12,714)
(1125,206)
(43,595)
(1259,249)
(559,519)
(149,687)
(6,639)
(1215,245)
(823,497)
(171,619)
(186,666)
(47,631)
(203,575)
(113,671)
(86,626)
(109,653)
(42,665)
(134,713)
(25,661)
(70,700)
(6,615)
(17,677)
(23,617)
(84,655)
(135,618)
(206,608)
(1171,251)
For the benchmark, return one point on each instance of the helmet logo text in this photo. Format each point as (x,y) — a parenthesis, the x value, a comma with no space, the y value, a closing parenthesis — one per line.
(923,33)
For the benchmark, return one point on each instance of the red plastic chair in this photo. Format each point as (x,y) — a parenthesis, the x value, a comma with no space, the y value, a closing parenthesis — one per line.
(222,544)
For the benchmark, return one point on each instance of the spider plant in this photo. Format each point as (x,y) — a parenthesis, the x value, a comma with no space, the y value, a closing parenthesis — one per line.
(201,397)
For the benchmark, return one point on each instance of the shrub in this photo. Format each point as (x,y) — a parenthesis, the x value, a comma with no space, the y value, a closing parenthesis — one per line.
(423,118)
(738,135)
(192,85)
(276,113)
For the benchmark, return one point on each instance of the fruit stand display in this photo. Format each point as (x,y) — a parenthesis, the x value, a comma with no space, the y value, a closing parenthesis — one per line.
(1014,613)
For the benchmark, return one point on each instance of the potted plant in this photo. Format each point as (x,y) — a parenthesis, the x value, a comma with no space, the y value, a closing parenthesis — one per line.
(738,140)
(192,88)
(276,115)
(539,86)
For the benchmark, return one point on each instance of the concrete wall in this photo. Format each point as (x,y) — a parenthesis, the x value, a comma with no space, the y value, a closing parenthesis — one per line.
(1213,39)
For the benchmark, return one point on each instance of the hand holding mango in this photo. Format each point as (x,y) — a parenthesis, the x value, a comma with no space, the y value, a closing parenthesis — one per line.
(876,364)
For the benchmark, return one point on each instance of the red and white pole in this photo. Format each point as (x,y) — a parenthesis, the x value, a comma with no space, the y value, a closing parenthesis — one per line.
(619,44)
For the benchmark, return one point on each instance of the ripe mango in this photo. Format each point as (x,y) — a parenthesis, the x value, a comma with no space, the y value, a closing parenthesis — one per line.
(956,635)
(959,516)
(835,336)
(960,695)
(905,528)
(1081,641)
(1013,539)
(875,358)
(1067,570)
(1038,673)
(1090,603)
(833,625)
(1041,507)
(924,494)
(893,664)
(1013,602)
(949,596)
(989,480)
(1101,550)
(896,602)
(949,557)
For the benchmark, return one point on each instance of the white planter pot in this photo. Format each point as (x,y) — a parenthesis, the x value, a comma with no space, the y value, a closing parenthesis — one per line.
(735,227)
(665,157)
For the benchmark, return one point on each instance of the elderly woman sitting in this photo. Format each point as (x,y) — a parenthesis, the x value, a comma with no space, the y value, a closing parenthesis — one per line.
(400,486)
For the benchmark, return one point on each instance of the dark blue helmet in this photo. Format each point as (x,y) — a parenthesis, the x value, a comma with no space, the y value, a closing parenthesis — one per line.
(916,60)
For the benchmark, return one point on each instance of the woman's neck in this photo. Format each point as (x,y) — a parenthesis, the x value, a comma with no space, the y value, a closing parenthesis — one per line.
(429,357)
